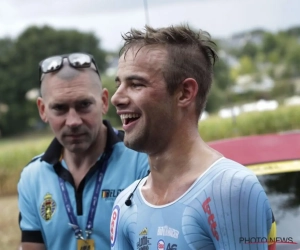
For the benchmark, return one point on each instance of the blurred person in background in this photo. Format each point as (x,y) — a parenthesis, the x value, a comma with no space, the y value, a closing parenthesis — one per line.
(66,194)
(194,197)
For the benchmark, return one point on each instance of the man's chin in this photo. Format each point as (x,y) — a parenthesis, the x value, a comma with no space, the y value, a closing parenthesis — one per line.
(76,147)
(136,145)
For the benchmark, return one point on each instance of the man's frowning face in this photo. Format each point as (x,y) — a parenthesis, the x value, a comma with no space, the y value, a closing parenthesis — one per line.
(74,107)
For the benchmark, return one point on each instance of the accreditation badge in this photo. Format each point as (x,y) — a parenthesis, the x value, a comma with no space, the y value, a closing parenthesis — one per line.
(85,244)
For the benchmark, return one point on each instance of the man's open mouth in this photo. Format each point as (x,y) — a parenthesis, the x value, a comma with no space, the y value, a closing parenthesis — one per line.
(128,118)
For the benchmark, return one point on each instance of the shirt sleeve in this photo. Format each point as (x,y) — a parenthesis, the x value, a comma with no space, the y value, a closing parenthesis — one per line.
(238,212)
(231,212)
(28,220)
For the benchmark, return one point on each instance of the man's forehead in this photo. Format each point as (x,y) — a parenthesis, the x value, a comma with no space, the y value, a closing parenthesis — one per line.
(75,80)
(141,63)
(146,57)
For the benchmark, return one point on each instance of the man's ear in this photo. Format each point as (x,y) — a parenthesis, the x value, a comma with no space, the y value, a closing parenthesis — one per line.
(41,107)
(187,92)
(105,101)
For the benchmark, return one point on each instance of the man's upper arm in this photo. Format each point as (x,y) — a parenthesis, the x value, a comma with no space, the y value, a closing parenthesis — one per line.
(28,217)
(243,211)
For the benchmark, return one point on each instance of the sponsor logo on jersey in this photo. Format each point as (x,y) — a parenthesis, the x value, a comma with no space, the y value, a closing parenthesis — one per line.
(110,194)
(160,245)
(144,231)
(211,218)
(144,241)
(171,246)
(48,207)
(114,224)
(167,231)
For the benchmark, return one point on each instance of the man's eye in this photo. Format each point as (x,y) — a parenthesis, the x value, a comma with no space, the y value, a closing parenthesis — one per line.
(84,105)
(137,85)
(59,107)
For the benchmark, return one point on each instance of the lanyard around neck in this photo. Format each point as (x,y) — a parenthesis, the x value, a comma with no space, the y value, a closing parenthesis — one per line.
(69,209)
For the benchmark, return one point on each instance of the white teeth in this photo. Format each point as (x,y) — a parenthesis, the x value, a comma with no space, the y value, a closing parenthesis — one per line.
(126,116)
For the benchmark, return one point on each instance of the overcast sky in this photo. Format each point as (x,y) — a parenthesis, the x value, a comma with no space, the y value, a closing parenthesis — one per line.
(109,18)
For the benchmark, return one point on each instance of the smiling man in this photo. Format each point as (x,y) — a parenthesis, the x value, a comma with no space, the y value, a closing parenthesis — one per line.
(194,197)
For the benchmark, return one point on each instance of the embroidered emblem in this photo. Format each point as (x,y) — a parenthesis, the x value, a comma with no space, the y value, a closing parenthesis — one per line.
(48,207)
(144,231)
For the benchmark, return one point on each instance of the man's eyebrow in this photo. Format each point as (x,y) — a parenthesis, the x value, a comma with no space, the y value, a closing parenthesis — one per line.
(131,78)
(63,102)
(86,99)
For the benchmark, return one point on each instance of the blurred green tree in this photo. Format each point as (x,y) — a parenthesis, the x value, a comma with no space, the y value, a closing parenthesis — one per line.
(109,83)
(221,83)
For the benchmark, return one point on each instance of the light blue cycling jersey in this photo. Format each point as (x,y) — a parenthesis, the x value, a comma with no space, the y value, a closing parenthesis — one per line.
(223,209)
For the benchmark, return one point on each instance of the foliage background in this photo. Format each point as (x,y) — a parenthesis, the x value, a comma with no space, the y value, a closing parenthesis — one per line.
(276,55)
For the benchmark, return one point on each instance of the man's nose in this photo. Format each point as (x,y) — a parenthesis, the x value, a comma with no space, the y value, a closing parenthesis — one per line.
(73,118)
(120,97)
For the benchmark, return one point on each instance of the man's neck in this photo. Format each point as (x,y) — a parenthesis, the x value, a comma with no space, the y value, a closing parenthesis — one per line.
(174,170)
(178,160)
(80,163)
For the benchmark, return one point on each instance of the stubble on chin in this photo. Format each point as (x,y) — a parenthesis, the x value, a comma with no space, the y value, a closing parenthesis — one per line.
(136,144)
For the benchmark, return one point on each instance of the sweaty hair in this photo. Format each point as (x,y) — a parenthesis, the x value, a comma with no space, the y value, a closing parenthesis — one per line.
(191,54)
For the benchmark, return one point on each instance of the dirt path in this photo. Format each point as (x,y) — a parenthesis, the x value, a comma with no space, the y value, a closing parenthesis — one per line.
(9,227)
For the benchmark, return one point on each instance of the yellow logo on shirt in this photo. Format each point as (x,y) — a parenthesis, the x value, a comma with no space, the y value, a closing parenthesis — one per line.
(144,231)
(48,207)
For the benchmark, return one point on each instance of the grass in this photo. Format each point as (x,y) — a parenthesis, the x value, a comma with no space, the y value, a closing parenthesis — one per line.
(10,234)
(252,123)
(15,153)
(14,156)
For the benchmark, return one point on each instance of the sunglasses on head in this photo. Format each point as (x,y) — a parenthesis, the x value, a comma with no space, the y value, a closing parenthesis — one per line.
(76,60)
